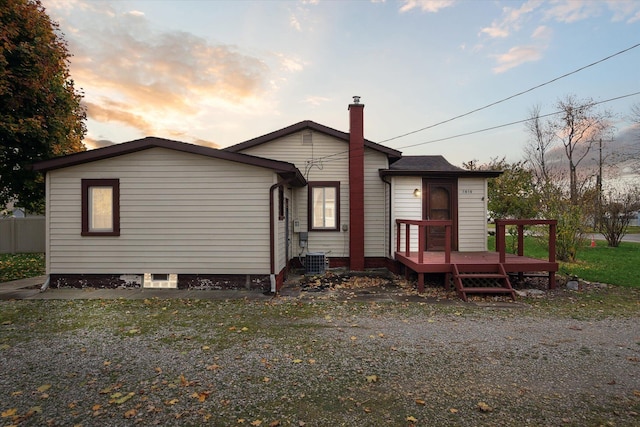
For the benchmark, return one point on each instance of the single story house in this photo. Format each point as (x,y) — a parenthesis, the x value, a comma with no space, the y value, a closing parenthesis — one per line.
(165,213)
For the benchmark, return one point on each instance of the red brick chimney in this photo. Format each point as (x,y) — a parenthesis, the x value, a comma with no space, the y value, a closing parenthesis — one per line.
(356,185)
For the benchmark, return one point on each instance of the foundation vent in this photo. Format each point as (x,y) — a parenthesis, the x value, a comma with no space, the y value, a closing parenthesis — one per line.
(160,281)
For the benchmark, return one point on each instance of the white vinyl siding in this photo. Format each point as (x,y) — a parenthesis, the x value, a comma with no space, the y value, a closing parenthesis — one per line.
(472,214)
(376,213)
(406,206)
(179,213)
(326,159)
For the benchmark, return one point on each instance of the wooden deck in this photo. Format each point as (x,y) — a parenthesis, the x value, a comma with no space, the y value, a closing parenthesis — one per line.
(448,261)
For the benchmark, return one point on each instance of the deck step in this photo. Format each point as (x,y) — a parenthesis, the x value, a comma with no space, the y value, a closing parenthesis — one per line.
(481,276)
(487,290)
(498,274)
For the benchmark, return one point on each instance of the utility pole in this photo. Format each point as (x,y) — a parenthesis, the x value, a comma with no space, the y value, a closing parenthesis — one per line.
(599,184)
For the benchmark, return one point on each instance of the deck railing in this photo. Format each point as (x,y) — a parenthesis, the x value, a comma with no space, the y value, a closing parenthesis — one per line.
(520,224)
(422,226)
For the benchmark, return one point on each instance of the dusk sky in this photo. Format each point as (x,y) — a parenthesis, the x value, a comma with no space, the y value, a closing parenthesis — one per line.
(218,73)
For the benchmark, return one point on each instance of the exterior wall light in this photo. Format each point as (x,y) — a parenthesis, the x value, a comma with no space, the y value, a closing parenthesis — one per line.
(417,192)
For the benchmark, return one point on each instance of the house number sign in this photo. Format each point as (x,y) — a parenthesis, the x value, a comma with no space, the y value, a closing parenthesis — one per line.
(467,191)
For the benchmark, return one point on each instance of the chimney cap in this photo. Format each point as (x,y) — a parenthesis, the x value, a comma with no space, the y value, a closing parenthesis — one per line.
(356,99)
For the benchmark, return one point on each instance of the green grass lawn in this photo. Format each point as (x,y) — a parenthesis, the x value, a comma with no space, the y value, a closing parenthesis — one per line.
(614,266)
(21,266)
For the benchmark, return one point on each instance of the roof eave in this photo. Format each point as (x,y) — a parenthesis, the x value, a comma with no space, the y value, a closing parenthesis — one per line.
(449,174)
(311,125)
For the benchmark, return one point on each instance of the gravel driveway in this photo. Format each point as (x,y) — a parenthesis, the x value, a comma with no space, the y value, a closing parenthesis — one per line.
(312,364)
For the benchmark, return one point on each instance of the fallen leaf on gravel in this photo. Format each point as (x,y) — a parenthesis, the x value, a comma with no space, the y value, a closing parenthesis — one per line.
(636,393)
(633,359)
(130,413)
(7,322)
(256,423)
(421,402)
(372,378)
(412,419)
(453,410)
(43,388)
(484,407)
(121,400)
(275,423)
(16,393)
(9,413)
(96,407)
(297,360)
(5,347)
(367,410)
(134,331)
(213,367)
(206,347)
(171,402)
(34,410)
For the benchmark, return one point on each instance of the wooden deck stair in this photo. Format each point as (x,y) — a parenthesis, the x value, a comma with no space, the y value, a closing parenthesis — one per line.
(495,272)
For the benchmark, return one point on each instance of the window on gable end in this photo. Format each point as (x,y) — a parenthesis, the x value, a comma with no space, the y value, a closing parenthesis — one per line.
(100,207)
(324,206)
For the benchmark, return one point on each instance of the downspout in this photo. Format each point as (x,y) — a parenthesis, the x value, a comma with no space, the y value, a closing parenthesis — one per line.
(389,248)
(45,285)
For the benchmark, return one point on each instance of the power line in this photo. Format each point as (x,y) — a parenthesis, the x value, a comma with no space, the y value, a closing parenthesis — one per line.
(513,96)
(511,123)
(343,155)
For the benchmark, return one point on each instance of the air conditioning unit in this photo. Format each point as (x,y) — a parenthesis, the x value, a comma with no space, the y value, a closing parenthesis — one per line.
(314,263)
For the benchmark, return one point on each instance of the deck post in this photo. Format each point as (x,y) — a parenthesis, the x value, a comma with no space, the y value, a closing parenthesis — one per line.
(421,283)
(421,245)
(552,253)
(447,243)
(520,247)
(407,240)
(500,241)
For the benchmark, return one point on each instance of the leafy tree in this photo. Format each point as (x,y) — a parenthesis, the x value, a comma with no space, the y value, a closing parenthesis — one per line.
(40,112)
(512,194)
(618,207)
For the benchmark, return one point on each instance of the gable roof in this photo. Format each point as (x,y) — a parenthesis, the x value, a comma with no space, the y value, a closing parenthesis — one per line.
(285,169)
(392,154)
(431,166)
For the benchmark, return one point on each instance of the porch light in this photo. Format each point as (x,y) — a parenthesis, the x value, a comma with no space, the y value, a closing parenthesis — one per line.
(417,192)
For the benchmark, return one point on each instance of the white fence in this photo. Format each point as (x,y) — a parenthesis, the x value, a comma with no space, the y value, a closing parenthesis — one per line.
(22,235)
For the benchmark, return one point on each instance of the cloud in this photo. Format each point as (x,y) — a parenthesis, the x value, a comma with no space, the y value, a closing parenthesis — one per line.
(144,78)
(511,20)
(111,111)
(542,33)
(516,56)
(290,64)
(92,144)
(573,11)
(431,6)
(316,100)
